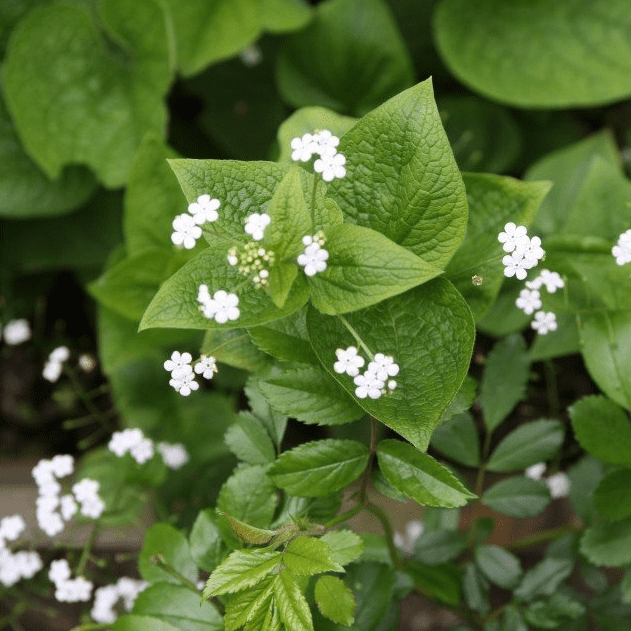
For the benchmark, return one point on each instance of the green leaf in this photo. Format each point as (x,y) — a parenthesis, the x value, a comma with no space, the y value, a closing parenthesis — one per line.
(247,605)
(306,556)
(440,581)
(141,623)
(463,399)
(439,546)
(626,587)
(533,442)
(551,613)
(504,382)
(428,331)
(179,606)
(584,477)
(606,346)
(247,533)
(234,347)
(613,495)
(335,601)
(346,546)
(533,54)
(419,476)
(292,605)
(458,439)
(402,179)
(493,201)
(371,61)
(498,565)
(364,268)
(602,428)
(319,467)
(171,543)
(307,120)
(205,541)
(512,620)
(285,15)
(249,496)
(274,422)
(310,395)
(544,579)
(608,544)
(517,497)
(102,91)
(475,589)
(249,441)
(242,569)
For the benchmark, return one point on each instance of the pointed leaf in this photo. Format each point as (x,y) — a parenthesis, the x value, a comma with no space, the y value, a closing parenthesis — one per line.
(608,544)
(544,578)
(613,495)
(435,547)
(306,556)
(249,441)
(346,546)
(245,606)
(459,440)
(165,540)
(292,605)
(335,601)
(207,547)
(498,565)
(517,497)
(246,532)
(234,348)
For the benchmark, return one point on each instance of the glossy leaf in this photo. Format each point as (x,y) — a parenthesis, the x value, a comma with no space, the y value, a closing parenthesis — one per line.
(292,605)
(346,546)
(517,497)
(306,556)
(613,495)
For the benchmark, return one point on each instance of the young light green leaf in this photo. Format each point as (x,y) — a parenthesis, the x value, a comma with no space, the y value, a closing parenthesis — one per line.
(131,622)
(246,606)
(459,440)
(364,267)
(335,601)
(613,495)
(472,39)
(306,556)
(402,179)
(518,497)
(274,422)
(280,16)
(77,128)
(504,381)
(246,532)
(280,281)
(242,569)
(319,467)
(419,476)
(309,394)
(292,605)
(544,578)
(608,544)
(602,428)
(553,612)
(249,441)
(533,442)
(439,546)
(346,546)
(498,565)
(428,331)
(205,541)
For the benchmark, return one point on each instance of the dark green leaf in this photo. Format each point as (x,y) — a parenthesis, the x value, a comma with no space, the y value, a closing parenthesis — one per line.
(613,495)
(439,546)
(205,541)
(498,565)
(459,440)
(551,613)
(234,347)
(544,578)
(475,589)
(608,544)
(517,497)
(441,581)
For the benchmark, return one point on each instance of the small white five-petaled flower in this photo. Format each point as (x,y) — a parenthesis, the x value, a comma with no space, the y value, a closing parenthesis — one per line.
(348,361)
(551,280)
(204,209)
(222,307)
(383,366)
(544,322)
(330,166)
(314,258)
(512,236)
(622,250)
(368,385)
(206,367)
(255,225)
(185,231)
(529,300)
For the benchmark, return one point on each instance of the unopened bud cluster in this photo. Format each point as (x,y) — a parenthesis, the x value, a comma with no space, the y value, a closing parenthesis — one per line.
(253,261)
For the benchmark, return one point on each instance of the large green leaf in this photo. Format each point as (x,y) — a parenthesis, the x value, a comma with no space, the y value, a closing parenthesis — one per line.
(517,497)
(292,605)
(428,331)
(101,91)
(350,58)
(419,476)
(306,556)
(608,544)
(285,15)
(532,53)
(459,440)
(249,604)
(141,623)
(544,578)
(207,547)
(613,495)
(249,441)
(402,179)
(498,565)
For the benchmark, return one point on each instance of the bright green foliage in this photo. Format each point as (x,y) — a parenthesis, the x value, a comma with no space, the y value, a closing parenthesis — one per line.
(498,565)
(284,15)
(603,429)
(249,441)
(435,547)
(234,347)
(335,601)
(458,439)
(274,422)
(142,623)
(349,59)
(102,90)
(549,614)
(292,605)
(504,382)
(249,605)
(306,556)
(474,37)
(419,476)
(167,541)
(613,495)
(528,444)
(247,533)
(608,543)
(517,497)
(402,179)
(429,332)
(544,578)
(346,546)
(319,467)
(205,541)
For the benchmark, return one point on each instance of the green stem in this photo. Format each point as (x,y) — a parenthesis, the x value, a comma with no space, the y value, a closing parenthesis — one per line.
(354,333)
(479,485)
(395,555)
(374,433)
(338,519)
(313,199)
(543,536)
(85,399)
(87,548)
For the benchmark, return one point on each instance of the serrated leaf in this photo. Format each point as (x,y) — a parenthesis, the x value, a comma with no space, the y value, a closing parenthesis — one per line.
(419,476)
(498,565)
(207,548)
(249,441)
(504,382)
(335,601)
(306,556)
(602,428)
(346,546)
(518,497)
(608,544)
(544,578)
(428,331)
(292,605)
(533,442)
(459,440)
(274,422)
(244,607)
(319,467)
(246,532)
(242,569)
(613,495)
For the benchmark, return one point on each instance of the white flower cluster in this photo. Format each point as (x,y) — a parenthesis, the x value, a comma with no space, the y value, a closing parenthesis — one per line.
(15,566)
(141,448)
(525,252)
(314,257)
(558,483)
(255,225)
(622,250)
(221,307)
(375,381)
(54,363)
(186,227)
(173,454)
(106,598)
(17,331)
(183,373)
(69,590)
(53,509)
(413,530)
(324,144)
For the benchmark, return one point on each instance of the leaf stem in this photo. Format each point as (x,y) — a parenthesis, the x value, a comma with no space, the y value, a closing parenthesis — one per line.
(313,199)
(479,485)
(354,333)
(374,433)
(87,548)
(543,536)
(395,555)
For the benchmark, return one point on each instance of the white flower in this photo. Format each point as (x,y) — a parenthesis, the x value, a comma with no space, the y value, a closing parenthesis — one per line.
(122,442)
(203,210)
(62,465)
(184,380)
(59,571)
(330,166)
(251,56)
(559,485)
(68,507)
(413,530)
(531,250)
(60,354)
(255,225)
(348,361)
(551,280)
(206,367)
(622,250)
(17,331)
(303,148)
(178,360)
(11,527)
(326,143)
(105,598)
(512,237)
(544,322)
(52,371)
(174,455)
(19,565)
(86,362)
(515,265)
(313,259)
(87,495)
(74,590)
(222,306)
(383,366)
(535,471)
(368,385)
(186,231)
(529,300)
